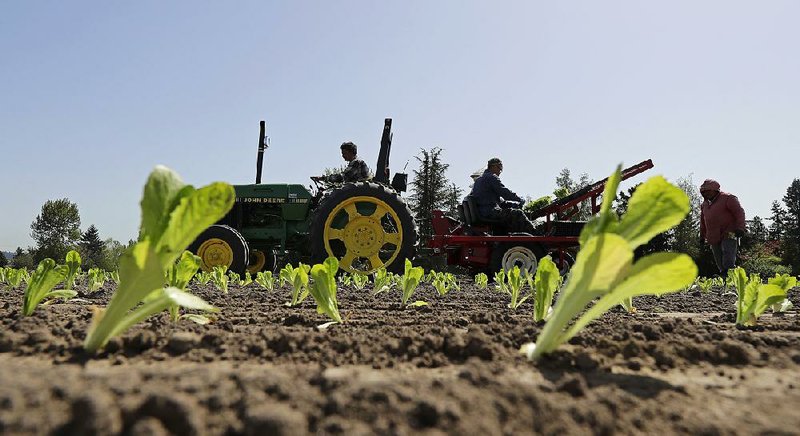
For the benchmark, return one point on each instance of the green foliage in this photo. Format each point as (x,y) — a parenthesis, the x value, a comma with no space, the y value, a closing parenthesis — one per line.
(219,278)
(95,279)
(180,273)
(382,281)
(285,275)
(56,229)
(430,190)
(627,304)
(500,282)
(234,278)
(266,280)
(515,282)
(410,280)
(545,284)
(203,277)
(604,272)
(92,247)
(73,263)
(785,282)
(46,276)
(754,297)
(537,204)
(444,282)
(298,279)
(481,280)
(113,275)
(14,277)
(173,215)
(345,280)
(247,278)
(359,280)
(323,288)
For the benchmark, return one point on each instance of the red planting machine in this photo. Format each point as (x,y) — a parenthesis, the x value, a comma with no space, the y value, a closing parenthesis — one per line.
(486,246)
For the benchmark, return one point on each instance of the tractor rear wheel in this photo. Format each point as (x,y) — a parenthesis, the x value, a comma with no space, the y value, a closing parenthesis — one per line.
(367,226)
(508,255)
(221,245)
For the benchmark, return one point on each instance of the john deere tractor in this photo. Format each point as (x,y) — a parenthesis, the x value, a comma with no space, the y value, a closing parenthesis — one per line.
(366,224)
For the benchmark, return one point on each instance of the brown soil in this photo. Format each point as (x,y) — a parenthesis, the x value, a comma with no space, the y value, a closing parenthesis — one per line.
(679,365)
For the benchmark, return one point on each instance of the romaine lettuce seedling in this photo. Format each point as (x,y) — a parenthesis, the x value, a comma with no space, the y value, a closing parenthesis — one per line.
(203,277)
(323,288)
(298,279)
(481,280)
(173,215)
(500,282)
(409,282)
(545,284)
(179,275)
(515,282)
(95,279)
(604,269)
(73,263)
(14,277)
(753,297)
(266,280)
(234,278)
(247,279)
(46,276)
(219,278)
(382,281)
(785,282)
(359,281)
(113,275)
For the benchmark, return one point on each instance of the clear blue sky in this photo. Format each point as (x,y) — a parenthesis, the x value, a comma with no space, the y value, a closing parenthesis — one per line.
(94,94)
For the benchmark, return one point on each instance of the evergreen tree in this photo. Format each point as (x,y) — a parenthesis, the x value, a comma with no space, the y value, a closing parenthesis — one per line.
(56,229)
(3,259)
(430,190)
(778,218)
(790,242)
(91,248)
(686,235)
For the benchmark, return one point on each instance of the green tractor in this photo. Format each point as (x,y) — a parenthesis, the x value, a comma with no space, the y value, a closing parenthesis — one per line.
(366,225)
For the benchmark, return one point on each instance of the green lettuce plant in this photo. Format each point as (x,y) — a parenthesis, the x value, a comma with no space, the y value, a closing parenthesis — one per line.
(179,275)
(95,279)
(285,275)
(173,215)
(500,281)
(785,282)
(515,282)
(545,284)
(345,280)
(73,263)
(383,281)
(481,280)
(604,272)
(359,281)
(409,281)
(46,276)
(298,279)
(203,277)
(266,280)
(247,278)
(113,276)
(14,277)
(220,278)
(754,297)
(234,278)
(323,288)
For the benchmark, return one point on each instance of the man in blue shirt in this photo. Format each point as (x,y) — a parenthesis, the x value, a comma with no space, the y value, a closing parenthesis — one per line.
(496,202)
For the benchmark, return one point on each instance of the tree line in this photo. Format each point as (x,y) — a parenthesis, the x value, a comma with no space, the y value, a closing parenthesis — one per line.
(56,230)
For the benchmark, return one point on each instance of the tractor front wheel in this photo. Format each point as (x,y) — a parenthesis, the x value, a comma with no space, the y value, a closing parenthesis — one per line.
(221,245)
(367,226)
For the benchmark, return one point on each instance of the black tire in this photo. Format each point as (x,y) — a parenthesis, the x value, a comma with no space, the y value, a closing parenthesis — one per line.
(221,245)
(524,255)
(261,259)
(392,255)
(569,260)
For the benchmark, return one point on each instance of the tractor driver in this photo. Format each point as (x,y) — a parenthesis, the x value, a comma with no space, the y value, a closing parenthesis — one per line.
(496,202)
(356,171)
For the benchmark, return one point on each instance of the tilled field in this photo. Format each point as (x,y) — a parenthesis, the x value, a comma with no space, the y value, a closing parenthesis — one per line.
(679,365)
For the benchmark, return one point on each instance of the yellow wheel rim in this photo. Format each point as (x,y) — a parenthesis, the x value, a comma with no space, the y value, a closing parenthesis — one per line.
(367,228)
(214,252)
(258,259)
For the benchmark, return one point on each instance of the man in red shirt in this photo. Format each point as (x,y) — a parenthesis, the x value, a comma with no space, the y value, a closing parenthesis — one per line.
(721,224)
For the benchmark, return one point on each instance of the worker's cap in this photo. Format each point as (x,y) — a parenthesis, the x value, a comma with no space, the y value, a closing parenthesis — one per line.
(494,161)
(709,185)
(349,146)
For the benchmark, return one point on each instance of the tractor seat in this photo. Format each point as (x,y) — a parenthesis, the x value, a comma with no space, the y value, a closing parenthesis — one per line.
(471,216)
